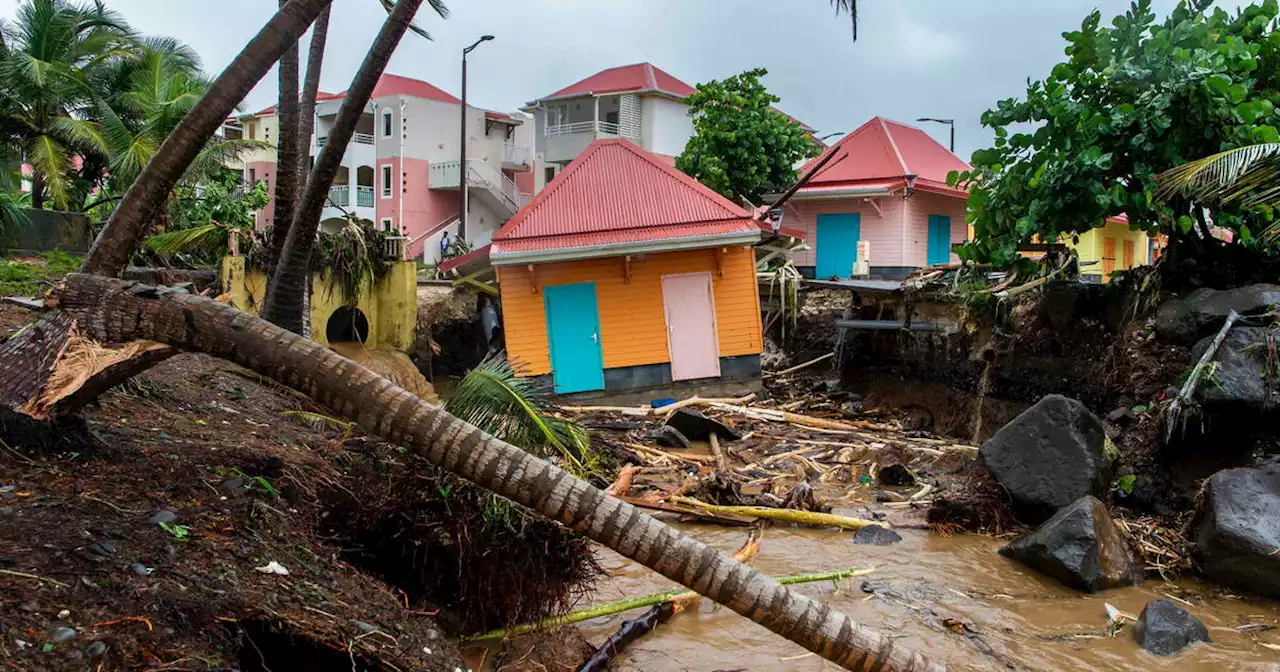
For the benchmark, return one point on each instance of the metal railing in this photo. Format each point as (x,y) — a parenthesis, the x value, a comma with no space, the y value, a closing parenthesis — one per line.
(484,174)
(340,195)
(608,128)
(364,197)
(358,138)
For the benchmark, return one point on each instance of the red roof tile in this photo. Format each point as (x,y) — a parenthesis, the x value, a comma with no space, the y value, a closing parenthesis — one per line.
(882,150)
(617,193)
(388,85)
(626,78)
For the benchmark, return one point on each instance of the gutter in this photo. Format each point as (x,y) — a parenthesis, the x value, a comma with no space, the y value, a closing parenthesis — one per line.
(623,249)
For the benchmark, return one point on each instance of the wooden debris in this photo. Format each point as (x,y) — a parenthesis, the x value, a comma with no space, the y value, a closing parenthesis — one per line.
(798,367)
(811,518)
(622,485)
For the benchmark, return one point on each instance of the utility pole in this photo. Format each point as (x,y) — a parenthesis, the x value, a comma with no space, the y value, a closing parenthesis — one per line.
(462,163)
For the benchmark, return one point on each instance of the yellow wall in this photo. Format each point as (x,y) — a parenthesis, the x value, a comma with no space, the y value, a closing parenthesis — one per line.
(633,325)
(391,305)
(265,129)
(1092,247)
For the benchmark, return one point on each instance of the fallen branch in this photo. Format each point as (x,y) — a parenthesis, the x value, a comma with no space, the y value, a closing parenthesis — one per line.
(611,608)
(722,463)
(1189,388)
(798,367)
(34,576)
(811,518)
(628,633)
(701,514)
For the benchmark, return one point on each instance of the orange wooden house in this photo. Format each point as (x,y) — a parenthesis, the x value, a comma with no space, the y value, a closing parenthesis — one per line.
(626,275)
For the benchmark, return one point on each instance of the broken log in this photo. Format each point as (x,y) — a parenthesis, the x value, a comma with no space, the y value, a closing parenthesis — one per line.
(811,518)
(628,633)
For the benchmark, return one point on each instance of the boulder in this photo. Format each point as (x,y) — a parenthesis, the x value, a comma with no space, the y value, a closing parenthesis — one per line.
(1237,531)
(1201,313)
(1241,383)
(876,535)
(1048,457)
(698,427)
(1164,628)
(1080,547)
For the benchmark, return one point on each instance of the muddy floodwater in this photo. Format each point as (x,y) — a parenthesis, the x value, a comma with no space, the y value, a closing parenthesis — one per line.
(951,597)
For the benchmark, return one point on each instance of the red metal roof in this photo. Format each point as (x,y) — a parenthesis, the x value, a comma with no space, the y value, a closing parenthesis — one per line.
(467,263)
(881,150)
(615,192)
(625,78)
(388,85)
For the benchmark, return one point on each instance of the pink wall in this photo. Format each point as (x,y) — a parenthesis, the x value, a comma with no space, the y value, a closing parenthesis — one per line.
(916,232)
(882,229)
(423,207)
(898,233)
(264,171)
(526,181)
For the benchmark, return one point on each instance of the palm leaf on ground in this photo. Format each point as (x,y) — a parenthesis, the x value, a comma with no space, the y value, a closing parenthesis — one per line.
(516,410)
(204,237)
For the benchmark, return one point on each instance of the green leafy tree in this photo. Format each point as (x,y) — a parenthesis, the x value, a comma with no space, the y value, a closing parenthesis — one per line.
(742,147)
(1131,101)
(203,216)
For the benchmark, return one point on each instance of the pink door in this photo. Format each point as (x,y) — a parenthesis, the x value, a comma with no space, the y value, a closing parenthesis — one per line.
(691,326)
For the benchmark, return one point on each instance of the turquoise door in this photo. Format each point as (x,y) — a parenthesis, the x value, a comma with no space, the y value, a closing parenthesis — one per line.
(838,237)
(939,239)
(573,329)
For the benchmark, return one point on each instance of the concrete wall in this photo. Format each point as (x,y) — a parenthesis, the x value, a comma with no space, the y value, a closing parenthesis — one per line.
(50,230)
(390,306)
(667,125)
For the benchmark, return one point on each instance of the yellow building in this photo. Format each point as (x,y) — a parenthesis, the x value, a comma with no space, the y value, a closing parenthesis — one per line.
(1112,247)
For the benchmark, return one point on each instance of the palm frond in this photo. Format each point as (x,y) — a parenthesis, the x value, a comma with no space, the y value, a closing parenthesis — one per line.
(850,6)
(47,155)
(516,410)
(206,236)
(437,5)
(1247,176)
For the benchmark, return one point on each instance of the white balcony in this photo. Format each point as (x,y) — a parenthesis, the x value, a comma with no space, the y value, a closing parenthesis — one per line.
(516,157)
(340,196)
(481,174)
(357,139)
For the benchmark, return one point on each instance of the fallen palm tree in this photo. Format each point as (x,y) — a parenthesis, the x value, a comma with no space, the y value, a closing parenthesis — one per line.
(117,311)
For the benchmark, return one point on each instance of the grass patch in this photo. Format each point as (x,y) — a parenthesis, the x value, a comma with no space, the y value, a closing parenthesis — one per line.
(33,276)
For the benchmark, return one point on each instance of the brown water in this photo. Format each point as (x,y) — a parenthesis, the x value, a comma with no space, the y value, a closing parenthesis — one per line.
(1021,620)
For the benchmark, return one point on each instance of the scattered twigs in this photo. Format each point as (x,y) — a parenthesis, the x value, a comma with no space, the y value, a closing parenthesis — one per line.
(1189,388)
(36,577)
(679,457)
(811,518)
(630,603)
(798,367)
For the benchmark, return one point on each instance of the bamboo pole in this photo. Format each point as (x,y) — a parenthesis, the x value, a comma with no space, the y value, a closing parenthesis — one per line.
(812,518)
(630,603)
(798,367)
(1193,380)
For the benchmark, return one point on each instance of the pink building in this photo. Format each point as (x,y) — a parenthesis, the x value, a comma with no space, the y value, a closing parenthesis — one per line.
(887,189)
(401,169)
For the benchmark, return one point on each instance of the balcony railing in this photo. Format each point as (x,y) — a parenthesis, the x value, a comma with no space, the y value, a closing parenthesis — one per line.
(340,195)
(358,138)
(484,174)
(393,247)
(364,197)
(606,128)
(517,155)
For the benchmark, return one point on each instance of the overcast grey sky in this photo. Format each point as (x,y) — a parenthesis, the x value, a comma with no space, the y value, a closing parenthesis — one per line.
(914,58)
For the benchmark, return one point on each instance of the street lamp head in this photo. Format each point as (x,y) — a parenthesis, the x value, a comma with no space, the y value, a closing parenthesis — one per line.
(483,38)
(940,121)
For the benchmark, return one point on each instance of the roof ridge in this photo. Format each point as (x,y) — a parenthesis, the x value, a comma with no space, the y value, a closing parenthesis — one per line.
(698,188)
(894,144)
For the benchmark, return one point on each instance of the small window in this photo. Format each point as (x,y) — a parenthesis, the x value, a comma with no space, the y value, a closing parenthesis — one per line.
(386,224)
(549,173)
(386,181)
(253,177)
(386,123)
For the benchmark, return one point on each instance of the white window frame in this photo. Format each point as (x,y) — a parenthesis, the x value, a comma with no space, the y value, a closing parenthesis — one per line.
(385,224)
(386,175)
(388,128)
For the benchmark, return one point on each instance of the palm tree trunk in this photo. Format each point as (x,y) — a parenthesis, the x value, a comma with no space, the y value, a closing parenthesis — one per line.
(128,224)
(286,150)
(37,190)
(115,310)
(283,305)
(311,89)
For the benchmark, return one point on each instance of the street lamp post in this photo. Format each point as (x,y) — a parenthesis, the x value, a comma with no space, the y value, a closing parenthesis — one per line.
(949,122)
(462,163)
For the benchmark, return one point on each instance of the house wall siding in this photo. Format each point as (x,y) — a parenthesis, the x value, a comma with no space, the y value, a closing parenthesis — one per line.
(263,171)
(632,318)
(882,229)
(666,124)
(915,231)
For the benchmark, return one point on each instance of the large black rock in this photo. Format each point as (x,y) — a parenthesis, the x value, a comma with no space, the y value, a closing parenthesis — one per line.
(698,427)
(1080,547)
(1202,312)
(1238,529)
(1048,457)
(1241,382)
(1164,628)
